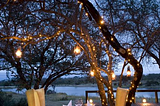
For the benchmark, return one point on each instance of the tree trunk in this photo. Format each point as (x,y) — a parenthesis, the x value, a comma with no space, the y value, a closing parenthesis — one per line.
(101,92)
(23,80)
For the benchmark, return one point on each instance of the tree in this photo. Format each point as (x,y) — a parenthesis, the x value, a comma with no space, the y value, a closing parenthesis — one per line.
(118,48)
(138,22)
(37,33)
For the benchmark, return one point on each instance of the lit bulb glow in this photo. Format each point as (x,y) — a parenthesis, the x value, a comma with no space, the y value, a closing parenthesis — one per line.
(113,76)
(112,39)
(86,14)
(92,73)
(129,53)
(128,50)
(18,53)
(144,100)
(128,73)
(90,101)
(102,21)
(77,50)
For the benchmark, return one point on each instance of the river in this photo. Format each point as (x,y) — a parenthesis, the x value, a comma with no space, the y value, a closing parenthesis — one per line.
(80,91)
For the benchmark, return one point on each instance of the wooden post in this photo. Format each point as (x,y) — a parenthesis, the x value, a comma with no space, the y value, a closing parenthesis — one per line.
(156,97)
(86,96)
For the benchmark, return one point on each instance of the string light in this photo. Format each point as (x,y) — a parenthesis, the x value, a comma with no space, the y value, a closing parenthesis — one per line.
(77,50)
(58,32)
(92,73)
(30,37)
(86,14)
(144,100)
(129,53)
(130,101)
(112,39)
(102,21)
(94,48)
(102,17)
(128,50)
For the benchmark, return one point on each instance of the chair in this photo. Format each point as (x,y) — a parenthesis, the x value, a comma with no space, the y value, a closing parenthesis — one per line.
(121,95)
(35,97)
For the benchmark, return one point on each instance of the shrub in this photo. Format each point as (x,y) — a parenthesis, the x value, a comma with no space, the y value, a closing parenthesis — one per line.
(7,100)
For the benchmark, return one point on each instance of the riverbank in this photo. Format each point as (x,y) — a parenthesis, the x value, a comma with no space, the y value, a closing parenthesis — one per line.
(85,85)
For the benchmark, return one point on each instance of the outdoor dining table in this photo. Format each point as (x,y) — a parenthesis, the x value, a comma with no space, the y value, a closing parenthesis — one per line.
(134,104)
(146,104)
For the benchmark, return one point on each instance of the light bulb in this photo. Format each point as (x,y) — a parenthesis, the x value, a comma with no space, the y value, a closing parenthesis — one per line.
(77,50)
(144,100)
(102,21)
(90,101)
(113,76)
(92,73)
(18,53)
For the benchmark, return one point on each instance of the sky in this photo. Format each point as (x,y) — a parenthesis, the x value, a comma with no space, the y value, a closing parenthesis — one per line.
(3,75)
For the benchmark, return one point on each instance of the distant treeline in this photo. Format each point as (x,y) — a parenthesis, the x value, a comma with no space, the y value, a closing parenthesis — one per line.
(147,80)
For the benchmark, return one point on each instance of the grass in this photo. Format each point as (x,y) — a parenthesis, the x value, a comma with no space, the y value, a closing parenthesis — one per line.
(60,99)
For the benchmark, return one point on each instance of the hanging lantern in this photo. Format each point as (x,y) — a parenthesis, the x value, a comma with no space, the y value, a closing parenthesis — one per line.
(19,52)
(113,75)
(128,71)
(77,50)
